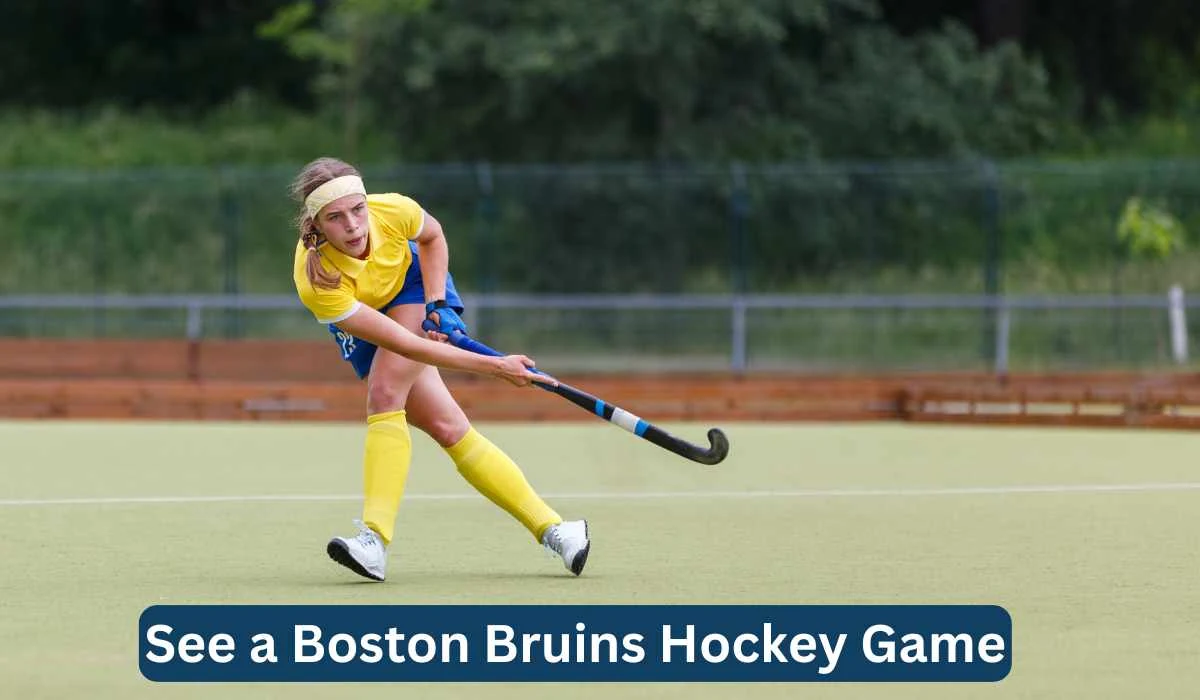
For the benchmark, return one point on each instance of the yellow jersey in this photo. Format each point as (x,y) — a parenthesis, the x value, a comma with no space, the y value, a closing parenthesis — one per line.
(393,220)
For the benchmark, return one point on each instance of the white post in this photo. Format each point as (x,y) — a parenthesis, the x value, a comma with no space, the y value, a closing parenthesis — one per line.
(1178,321)
(195,318)
(1003,324)
(737,329)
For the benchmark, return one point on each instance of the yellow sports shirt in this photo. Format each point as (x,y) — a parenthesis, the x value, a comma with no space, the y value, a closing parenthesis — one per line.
(394,220)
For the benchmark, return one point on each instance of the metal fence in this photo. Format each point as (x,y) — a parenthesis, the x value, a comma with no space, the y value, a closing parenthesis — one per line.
(665,333)
(806,267)
(861,228)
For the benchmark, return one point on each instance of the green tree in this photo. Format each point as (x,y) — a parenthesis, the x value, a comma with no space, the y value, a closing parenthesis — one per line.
(1107,57)
(68,54)
(936,93)
(1147,229)
(342,48)
(552,80)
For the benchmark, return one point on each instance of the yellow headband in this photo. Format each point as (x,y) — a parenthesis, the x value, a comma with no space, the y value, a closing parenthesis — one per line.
(336,188)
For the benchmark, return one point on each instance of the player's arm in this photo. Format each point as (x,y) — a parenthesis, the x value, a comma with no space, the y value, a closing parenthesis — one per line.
(435,257)
(434,252)
(374,327)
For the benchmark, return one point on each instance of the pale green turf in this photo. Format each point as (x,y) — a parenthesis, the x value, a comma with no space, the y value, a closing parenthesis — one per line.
(1101,586)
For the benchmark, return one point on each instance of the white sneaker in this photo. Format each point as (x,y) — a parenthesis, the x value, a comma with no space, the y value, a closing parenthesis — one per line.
(570,541)
(364,554)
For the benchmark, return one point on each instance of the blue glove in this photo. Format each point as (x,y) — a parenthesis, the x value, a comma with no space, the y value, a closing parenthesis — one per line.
(443,319)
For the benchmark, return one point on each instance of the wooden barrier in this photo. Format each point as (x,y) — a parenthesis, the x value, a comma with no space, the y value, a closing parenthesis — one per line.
(247,360)
(675,398)
(306,380)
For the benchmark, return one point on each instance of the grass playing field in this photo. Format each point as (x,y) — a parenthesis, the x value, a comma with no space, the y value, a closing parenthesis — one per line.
(1089,539)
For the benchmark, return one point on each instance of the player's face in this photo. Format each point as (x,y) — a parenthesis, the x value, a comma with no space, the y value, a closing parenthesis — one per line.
(344,224)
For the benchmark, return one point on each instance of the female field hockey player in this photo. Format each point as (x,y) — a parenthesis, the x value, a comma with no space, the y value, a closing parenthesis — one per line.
(373,267)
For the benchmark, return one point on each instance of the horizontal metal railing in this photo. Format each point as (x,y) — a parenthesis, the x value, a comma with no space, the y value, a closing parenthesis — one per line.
(1173,305)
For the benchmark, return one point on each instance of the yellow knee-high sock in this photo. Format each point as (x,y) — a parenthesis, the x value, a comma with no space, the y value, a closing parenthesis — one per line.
(385,469)
(496,476)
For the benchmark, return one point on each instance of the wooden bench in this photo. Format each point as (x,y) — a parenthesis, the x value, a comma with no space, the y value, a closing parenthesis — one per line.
(1133,401)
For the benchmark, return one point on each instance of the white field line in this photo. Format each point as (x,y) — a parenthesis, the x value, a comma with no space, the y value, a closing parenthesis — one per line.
(641,495)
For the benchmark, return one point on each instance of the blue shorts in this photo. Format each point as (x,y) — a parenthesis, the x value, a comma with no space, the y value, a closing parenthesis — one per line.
(358,352)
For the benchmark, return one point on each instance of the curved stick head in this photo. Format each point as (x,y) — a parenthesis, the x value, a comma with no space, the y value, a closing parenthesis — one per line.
(718,448)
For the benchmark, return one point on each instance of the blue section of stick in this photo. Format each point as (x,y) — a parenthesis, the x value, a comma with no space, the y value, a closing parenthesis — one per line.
(469,344)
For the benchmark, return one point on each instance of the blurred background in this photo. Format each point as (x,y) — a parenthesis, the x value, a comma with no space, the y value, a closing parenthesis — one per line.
(802,185)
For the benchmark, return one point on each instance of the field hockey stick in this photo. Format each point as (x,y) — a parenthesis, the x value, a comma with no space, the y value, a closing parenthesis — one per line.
(718,444)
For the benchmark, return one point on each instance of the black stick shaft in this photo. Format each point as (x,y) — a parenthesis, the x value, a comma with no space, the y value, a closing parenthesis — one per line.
(716,451)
